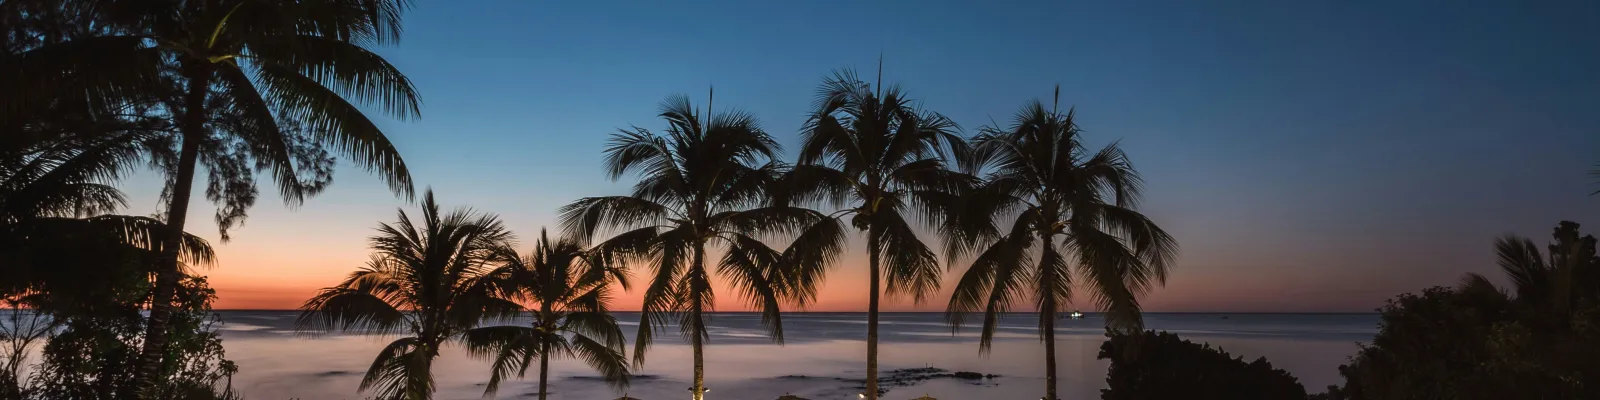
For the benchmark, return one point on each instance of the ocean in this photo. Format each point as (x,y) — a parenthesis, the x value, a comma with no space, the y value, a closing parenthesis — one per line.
(822,354)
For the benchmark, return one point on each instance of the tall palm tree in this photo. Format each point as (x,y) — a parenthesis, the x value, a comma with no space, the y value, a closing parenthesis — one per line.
(569,290)
(1072,208)
(234,72)
(430,282)
(883,162)
(702,184)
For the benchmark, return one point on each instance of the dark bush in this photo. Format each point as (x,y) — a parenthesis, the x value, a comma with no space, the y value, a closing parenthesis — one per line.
(1152,366)
(1458,344)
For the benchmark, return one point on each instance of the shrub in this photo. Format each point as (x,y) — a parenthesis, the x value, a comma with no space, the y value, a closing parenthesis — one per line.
(1460,344)
(1154,365)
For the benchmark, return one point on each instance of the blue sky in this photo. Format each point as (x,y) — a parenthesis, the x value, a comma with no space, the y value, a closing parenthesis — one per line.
(1309,156)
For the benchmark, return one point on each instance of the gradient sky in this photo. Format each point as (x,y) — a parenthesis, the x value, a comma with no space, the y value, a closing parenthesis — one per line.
(1308,156)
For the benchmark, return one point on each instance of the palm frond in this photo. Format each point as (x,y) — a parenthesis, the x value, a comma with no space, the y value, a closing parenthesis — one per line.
(1521,261)
(347,68)
(510,349)
(341,308)
(754,270)
(911,268)
(395,373)
(609,361)
(585,218)
(335,121)
(806,260)
(1112,271)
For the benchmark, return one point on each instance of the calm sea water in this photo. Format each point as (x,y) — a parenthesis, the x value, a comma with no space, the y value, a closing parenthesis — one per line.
(822,352)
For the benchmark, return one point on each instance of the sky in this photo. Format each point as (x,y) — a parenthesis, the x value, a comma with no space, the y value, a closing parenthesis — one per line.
(1308,156)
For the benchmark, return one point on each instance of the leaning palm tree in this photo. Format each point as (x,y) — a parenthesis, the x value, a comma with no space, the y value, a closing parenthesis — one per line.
(237,72)
(883,162)
(569,290)
(1071,208)
(703,184)
(430,282)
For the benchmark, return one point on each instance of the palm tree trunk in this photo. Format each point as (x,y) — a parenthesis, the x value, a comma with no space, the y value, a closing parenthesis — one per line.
(1047,314)
(420,386)
(1048,308)
(872,319)
(167,273)
(544,323)
(697,341)
(544,368)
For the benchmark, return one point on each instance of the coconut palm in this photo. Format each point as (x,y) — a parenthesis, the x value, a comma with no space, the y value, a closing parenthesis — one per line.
(568,290)
(1071,208)
(231,74)
(430,282)
(702,185)
(883,162)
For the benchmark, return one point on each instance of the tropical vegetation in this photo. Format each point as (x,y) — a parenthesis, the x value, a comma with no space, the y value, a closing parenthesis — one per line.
(1538,338)
(93,90)
(1151,365)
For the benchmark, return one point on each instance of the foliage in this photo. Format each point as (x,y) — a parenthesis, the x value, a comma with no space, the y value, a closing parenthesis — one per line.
(95,354)
(1538,340)
(430,282)
(244,86)
(1150,365)
(568,291)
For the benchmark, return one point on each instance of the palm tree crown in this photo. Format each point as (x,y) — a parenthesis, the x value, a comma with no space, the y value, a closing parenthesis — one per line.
(430,282)
(1072,207)
(567,290)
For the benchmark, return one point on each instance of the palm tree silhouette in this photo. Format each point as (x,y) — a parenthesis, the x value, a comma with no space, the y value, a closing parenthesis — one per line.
(55,230)
(881,160)
(702,184)
(431,282)
(235,72)
(569,290)
(1071,207)
(1555,284)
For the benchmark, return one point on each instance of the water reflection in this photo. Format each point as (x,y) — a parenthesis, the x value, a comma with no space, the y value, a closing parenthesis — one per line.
(822,356)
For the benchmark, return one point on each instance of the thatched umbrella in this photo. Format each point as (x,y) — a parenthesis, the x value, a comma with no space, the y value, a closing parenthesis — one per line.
(925,397)
(791,397)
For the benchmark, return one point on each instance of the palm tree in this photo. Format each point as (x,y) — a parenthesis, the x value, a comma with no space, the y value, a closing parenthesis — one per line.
(882,161)
(569,289)
(430,282)
(55,196)
(233,73)
(1071,208)
(1555,284)
(702,184)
